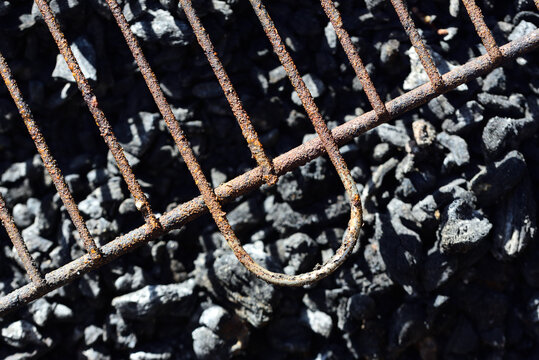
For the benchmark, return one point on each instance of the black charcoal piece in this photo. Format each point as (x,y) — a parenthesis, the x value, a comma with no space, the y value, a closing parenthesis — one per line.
(393,135)
(297,253)
(463,338)
(512,106)
(151,300)
(246,215)
(516,223)
(314,84)
(463,228)
(407,326)
(502,133)
(22,333)
(289,335)
(493,183)
(465,119)
(495,82)
(137,133)
(458,151)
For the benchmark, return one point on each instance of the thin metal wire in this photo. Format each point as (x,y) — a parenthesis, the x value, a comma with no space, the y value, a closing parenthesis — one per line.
(483,31)
(49,161)
(247,128)
(105,129)
(418,44)
(354,58)
(20,246)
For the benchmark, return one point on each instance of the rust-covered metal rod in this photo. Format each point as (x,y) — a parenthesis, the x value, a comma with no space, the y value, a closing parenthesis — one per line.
(48,160)
(354,58)
(27,260)
(483,31)
(247,128)
(253,179)
(328,141)
(418,44)
(105,129)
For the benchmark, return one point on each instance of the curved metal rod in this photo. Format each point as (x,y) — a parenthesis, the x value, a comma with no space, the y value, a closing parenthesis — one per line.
(212,201)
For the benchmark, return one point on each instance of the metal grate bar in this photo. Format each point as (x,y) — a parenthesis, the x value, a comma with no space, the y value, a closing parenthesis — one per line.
(105,129)
(354,58)
(27,260)
(482,30)
(48,160)
(254,178)
(418,44)
(332,149)
(247,128)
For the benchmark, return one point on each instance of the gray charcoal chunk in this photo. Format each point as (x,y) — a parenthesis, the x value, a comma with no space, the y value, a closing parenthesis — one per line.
(85,54)
(290,187)
(93,354)
(494,182)
(502,133)
(459,155)
(41,311)
(465,119)
(522,29)
(22,216)
(438,268)
(152,300)
(92,334)
(297,253)
(512,106)
(516,224)
(214,318)
(246,215)
(286,220)
(438,109)
(137,133)
(424,133)
(393,135)
(400,248)
(105,195)
(15,173)
(315,86)
(276,75)
(207,345)
(158,354)
(160,26)
(462,228)
(23,333)
(253,299)
(132,280)
(319,322)
(495,82)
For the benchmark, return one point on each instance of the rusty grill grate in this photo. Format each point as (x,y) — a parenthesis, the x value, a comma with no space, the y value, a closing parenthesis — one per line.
(267,171)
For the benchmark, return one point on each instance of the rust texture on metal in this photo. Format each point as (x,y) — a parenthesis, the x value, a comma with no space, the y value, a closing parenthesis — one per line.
(354,58)
(48,160)
(254,178)
(418,44)
(332,149)
(483,31)
(232,97)
(20,246)
(105,129)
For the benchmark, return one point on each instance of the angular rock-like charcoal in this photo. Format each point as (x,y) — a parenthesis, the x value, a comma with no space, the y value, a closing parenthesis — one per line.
(493,183)
(137,133)
(512,106)
(458,156)
(133,279)
(246,215)
(502,133)
(466,118)
(253,299)
(495,82)
(297,253)
(516,222)
(315,86)
(92,334)
(462,228)
(41,311)
(152,300)
(361,307)
(400,248)
(290,186)
(438,268)
(393,135)
(23,334)
(438,109)
(319,322)
(407,326)
(164,28)
(208,345)
(285,220)
(85,54)
(102,198)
